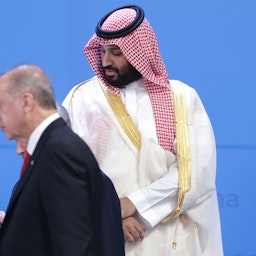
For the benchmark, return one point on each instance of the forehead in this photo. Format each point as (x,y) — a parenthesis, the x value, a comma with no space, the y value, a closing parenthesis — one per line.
(4,81)
(4,95)
(4,92)
(5,98)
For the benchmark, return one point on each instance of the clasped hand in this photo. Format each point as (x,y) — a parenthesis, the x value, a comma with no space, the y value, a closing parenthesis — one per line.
(2,215)
(133,230)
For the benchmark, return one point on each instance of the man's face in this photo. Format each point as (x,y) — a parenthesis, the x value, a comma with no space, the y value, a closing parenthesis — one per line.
(11,113)
(117,70)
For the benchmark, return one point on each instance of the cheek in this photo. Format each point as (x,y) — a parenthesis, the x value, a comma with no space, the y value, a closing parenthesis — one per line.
(4,118)
(124,69)
(13,119)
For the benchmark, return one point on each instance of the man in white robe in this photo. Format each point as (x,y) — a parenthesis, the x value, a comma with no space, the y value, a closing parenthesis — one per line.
(156,144)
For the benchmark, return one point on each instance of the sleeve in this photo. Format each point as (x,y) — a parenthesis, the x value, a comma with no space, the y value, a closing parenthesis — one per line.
(154,202)
(158,178)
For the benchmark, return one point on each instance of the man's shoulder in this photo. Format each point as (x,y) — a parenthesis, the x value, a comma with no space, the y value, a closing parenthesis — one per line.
(91,82)
(174,82)
(86,89)
(177,84)
(89,86)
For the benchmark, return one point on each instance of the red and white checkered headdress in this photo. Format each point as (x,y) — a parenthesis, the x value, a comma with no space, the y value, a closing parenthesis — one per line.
(127,28)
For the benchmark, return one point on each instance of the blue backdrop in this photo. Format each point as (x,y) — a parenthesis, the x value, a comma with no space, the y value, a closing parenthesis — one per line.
(209,45)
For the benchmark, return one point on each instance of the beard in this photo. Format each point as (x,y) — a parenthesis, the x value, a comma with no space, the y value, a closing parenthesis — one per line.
(124,75)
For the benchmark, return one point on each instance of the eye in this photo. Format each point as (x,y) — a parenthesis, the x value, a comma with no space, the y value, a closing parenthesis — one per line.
(117,52)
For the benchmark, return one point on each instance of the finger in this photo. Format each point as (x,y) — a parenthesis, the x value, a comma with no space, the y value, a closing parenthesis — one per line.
(136,235)
(129,238)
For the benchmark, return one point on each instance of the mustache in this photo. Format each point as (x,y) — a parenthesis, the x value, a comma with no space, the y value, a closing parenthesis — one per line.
(110,68)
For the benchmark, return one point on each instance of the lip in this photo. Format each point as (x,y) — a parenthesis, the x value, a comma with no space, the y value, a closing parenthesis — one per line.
(110,72)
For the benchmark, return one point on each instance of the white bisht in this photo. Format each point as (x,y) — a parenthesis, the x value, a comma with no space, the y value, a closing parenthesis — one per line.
(148,174)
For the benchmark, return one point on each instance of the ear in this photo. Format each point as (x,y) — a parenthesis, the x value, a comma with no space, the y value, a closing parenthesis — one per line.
(28,102)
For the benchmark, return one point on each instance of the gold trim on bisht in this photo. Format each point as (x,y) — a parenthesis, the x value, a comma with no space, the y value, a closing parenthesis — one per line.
(123,117)
(72,95)
(183,147)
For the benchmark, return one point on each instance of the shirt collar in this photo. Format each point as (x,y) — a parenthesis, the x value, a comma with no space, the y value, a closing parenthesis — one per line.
(139,84)
(36,134)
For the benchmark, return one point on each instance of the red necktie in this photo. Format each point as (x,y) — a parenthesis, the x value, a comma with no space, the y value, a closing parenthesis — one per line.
(25,163)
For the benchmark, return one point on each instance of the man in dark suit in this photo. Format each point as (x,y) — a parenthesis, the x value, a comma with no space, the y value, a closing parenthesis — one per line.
(57,206)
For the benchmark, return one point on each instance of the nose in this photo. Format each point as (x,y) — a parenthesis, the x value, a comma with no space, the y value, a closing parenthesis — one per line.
(106,59)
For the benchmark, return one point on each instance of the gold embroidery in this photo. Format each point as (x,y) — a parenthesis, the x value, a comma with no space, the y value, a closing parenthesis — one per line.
(71,98)
(183,147)
(123,117)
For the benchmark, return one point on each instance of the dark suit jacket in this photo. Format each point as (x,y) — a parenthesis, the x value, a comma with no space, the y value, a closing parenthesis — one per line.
(56,208)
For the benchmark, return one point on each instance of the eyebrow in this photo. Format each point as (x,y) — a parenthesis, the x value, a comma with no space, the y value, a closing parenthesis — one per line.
(115,48)
(111,47)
